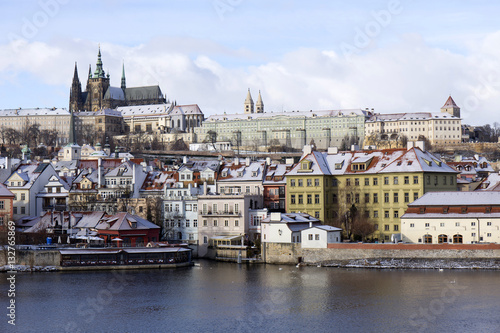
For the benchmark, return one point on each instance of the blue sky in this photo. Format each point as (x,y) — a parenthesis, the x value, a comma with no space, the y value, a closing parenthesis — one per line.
(393,56)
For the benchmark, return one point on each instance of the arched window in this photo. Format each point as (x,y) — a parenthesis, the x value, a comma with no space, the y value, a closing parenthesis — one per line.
(442,239)
(178,123)
(458,239)
(427,239)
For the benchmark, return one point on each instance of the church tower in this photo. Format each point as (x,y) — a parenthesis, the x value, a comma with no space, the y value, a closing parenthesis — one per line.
(97,85)
(259,106)
(124,84)
(75,95)
(451,108)
(249,103)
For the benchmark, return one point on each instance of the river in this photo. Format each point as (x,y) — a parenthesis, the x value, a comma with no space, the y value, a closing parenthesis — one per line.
(227,297)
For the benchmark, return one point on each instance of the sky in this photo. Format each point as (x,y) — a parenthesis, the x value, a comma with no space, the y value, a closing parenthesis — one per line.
(392,56)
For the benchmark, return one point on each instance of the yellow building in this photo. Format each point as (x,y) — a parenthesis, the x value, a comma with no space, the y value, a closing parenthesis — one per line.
(379,183)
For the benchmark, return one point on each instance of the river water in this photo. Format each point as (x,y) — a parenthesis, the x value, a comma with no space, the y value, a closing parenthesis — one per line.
(227,297)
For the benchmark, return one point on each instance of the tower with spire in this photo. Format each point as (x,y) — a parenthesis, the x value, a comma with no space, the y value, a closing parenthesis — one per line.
(249,103)
(124,84)
(451,107)
(259,106)
(75,95)
(97,85)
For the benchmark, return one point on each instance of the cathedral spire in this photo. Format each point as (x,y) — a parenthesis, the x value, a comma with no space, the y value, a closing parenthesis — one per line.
(90,71)
(124,85)
(99,72)
(75,74)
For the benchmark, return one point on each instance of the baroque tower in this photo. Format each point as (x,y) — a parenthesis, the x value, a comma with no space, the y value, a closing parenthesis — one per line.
(249,103)
(97,85)
(451,107)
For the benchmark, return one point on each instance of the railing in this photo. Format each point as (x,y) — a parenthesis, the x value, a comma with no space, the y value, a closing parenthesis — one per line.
(220,213)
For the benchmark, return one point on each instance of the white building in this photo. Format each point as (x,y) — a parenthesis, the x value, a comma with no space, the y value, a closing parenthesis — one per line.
(453,217)
(286,228)
(320,236)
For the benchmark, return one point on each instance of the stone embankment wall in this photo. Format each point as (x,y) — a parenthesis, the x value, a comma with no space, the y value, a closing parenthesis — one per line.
(33,258)
(286,253)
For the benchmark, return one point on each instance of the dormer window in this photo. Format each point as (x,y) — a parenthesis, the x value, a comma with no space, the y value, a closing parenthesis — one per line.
(240,173)
(254,173)
(224,173)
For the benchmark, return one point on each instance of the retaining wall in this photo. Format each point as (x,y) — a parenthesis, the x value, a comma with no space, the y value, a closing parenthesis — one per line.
(287,253)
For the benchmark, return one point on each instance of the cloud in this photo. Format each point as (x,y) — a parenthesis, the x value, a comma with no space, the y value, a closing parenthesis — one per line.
(405,76)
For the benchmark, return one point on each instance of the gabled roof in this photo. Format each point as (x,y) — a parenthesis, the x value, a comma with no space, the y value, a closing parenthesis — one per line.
(146,92)
(186,109)
(123,170)
(4,191)
(123,221)
(242,172)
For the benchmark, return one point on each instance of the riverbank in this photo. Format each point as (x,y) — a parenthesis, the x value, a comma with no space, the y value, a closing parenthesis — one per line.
(490,264)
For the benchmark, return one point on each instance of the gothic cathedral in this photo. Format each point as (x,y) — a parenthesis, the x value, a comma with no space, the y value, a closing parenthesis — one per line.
(99,94)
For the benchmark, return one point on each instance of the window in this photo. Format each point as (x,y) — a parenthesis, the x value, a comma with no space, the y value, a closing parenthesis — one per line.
(292,182)
(310,236)
(427,225)
(415,196)
(356,198)
(386,227)
(488,234)
(316,236)
(458,239)
(396,197)
(205,239)
(334,198)
(412,225)
(23,210)
(316,214)
(375,213)
(236,223)
(441,224)
(205,223)
(301,199)
(386,197)
(367,197)
(367,181)
(407,197)
(195,223)
(292,199)
(488,223)
(427,239)
(473,234)
(415,179)
(407,180)
(386,214)
(15,210)
(301,182)
(348,198)
(473,224)
(375,197)
(316,182)
(226,223)
(375,181)
(316,198)
(396,227)
(309,199)
(396,213)
(216,223)
(356,181)
(23,196)
(428,180)
(2,206)
(395,180)
(348,182)
(457,224)
(386,180)
(309,182)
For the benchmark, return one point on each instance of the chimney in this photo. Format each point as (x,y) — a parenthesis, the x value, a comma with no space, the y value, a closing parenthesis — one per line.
(133,177)
(420,144)
(289,160)
(99,172)
(184,160)
(247,161)
(410,145)
(354,147)
(268,160)
(236,161)
(189,187)
(333,150)
(307,149)
(8,163)
(275,216)
(310,224)
(205,188)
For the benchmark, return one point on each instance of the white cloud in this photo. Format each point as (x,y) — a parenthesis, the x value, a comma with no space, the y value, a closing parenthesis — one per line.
(406,76)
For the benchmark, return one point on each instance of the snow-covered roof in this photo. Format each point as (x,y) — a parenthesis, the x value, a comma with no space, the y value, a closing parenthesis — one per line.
(123,221)
(34,112)
(241,172)
(379,117)
(298,114)
(186,109)
(144,110)
(458,199)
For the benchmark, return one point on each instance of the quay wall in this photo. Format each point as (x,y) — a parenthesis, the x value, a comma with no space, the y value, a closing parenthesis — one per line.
(289,253)
(33,258)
